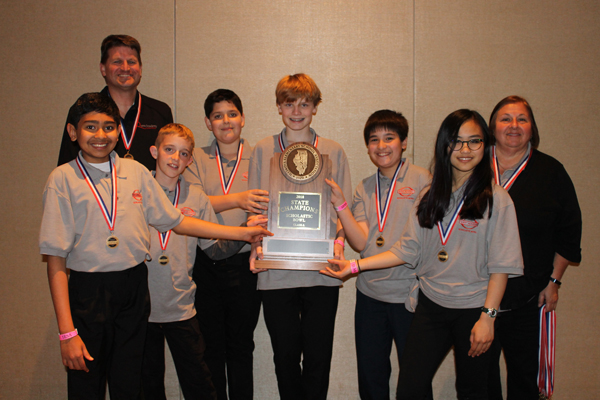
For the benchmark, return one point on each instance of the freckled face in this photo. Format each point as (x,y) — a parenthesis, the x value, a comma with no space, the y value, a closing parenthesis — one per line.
(297,115)
(172,156)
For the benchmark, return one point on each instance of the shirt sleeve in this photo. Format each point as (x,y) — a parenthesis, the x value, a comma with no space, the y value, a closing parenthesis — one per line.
(567,231)
(504,254)
(192,172)
(57,232)
(408,248)
(159,211)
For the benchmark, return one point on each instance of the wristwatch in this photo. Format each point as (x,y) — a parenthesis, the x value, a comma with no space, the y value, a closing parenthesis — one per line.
(492,312)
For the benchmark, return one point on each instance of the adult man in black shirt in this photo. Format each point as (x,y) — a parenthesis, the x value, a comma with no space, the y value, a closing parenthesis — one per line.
(141,116)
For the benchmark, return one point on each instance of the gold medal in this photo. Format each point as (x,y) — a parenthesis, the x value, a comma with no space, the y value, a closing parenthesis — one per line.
(128,156)
(163,260)
(443,256)
(112,241)
(380,241)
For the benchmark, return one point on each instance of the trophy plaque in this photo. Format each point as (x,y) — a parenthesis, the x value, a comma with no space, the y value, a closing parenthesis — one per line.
(299,210)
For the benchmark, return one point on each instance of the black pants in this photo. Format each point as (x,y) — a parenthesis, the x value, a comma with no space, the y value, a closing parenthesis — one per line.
(376,325)
(228,306)
(517,332)
(301,322)
(187,348)
(110,310)
(434,330)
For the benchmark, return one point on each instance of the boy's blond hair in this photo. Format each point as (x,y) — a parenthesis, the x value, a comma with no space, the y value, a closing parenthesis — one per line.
(175,129)
(299,86)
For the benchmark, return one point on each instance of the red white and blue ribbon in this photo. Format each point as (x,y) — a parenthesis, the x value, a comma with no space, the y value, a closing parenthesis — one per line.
(511,179)
(227,183)
(546,352)
(164,237)
(127,141)
(110,215)
(383,213)
(445,234)
(282,146)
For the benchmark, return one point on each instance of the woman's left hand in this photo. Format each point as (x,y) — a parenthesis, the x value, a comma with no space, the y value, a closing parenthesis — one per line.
(482,335)
(549,296)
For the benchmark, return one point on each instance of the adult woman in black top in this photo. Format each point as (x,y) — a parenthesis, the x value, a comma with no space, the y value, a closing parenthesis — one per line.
(549,221)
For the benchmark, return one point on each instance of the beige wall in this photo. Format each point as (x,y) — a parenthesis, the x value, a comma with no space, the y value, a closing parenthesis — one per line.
(424,58)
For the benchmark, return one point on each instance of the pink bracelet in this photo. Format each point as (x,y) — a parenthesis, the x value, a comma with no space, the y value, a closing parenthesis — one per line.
(68,335)
(340,242)
(342,207)
(353,267)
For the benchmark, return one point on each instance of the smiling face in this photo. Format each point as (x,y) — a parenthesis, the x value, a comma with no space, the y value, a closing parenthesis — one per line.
(97,136)
(226,123)
(172,156)
(513,127)
(465,160)
(122,69)
(385,150)
(297,115)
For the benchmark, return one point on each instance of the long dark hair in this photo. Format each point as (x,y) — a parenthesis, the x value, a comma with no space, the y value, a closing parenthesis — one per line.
(478,192)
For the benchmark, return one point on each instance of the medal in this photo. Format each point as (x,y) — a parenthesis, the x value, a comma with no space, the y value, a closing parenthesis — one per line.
(128,156)
(511,179)
(112,241)
(282,146)
(110,216)
(127,141)
(163,260)
(226,185)
(382,213)
(445,234)
(443,256)
(164,237)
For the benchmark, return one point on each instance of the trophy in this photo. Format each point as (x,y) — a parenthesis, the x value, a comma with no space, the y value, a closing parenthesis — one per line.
(299,210)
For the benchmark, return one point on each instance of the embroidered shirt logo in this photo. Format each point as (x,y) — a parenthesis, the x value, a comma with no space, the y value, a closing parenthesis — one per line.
(188,212)
(468,225)
(137,197)
(406,192)
(245,177)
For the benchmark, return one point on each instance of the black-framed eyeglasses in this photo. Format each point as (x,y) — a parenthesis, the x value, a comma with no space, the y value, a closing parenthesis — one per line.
(472,144)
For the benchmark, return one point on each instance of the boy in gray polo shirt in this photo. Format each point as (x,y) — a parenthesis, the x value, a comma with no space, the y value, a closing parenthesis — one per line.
(97,209)
(299,306)
(381,206)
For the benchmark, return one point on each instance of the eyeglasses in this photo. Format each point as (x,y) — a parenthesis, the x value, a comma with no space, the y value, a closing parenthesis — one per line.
(472,144)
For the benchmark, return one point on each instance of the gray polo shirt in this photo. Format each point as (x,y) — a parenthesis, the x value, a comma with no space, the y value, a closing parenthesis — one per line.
(172,290)
(258,178)
(390,285)
(204,171)
(73,226)
(476,249)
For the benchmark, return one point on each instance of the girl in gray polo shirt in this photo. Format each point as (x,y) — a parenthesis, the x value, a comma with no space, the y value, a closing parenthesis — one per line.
(463,242)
